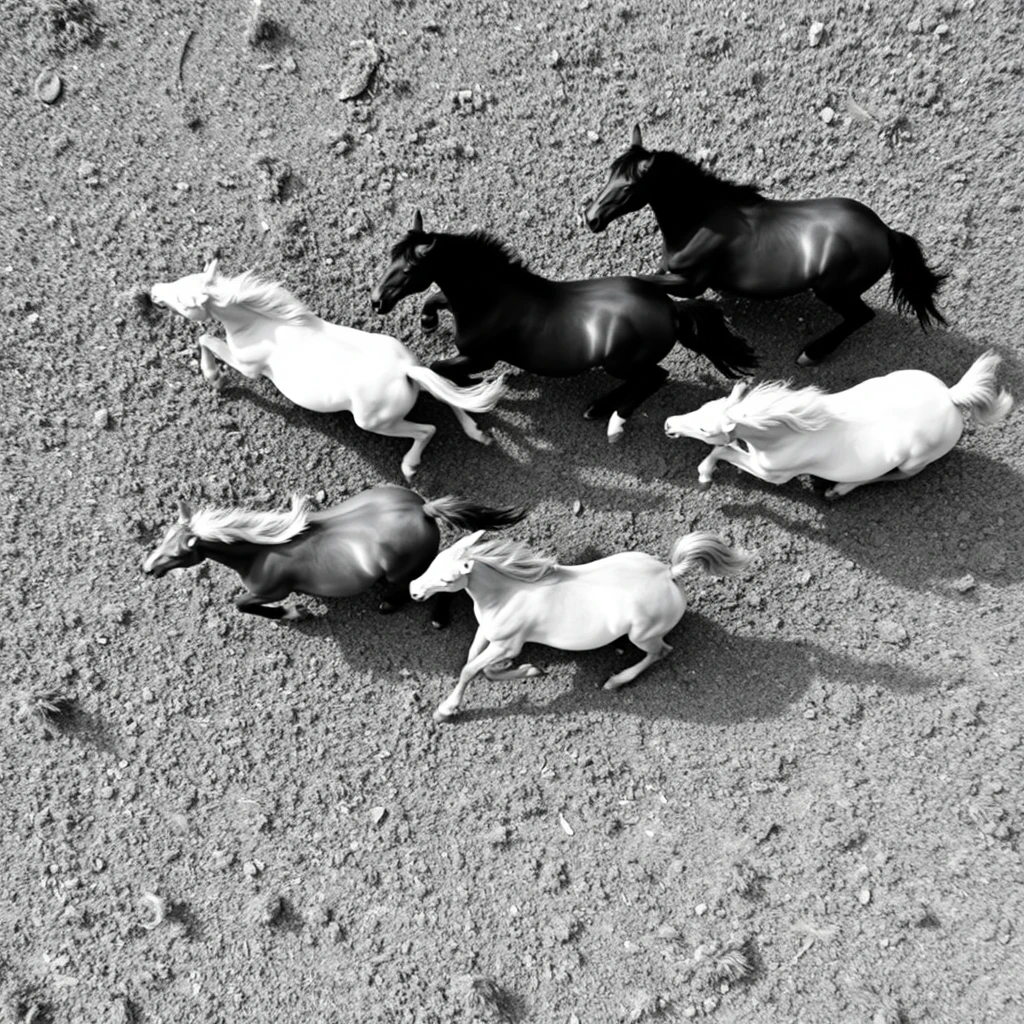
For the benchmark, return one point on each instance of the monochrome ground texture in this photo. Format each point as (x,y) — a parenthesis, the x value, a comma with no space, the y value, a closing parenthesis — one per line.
(811,812)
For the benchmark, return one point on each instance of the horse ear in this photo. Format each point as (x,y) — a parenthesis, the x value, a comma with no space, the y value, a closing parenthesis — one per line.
(739,389)
(184,511)
(417,222)
(636,140)
(423,248)
(468,542)
(210,270)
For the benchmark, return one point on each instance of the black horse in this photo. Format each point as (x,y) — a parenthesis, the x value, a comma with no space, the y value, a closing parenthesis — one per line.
(626,325)
(718,234)
(387,533)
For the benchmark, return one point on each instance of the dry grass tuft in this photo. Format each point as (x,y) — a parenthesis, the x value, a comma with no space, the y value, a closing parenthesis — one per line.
(649,1006)
(733,964)
(69,23)
(483,998)
(52,709)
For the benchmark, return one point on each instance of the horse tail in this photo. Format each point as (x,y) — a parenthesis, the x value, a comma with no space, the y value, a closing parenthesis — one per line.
(469,515)
(709,551)
(913,284)
(481,397)
(977,391)
(702,327)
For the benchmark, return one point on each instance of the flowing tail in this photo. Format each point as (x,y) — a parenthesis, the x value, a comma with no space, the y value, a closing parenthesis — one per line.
(709,551)
(977,391)
(468,515)
(702,327)
(913,285)
(478,398)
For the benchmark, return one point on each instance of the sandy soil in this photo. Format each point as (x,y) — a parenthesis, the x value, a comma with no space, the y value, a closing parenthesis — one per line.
(825,776)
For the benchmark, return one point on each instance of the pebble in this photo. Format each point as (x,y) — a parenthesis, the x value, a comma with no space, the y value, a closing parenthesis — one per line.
(815,32)
(593,137)
(965,584)
(577,507)
(48,86)
(265,910)
(942,29)
(362,61)
(810,713)
(289,65)
(864,896)
(891,632)
(915,25)
(710,1004)
(827,114)
(378,814)
(701,909)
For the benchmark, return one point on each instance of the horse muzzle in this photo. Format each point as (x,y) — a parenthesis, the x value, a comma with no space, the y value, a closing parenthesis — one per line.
(594,221)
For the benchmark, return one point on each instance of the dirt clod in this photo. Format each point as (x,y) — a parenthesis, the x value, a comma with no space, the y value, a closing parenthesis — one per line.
(48,87)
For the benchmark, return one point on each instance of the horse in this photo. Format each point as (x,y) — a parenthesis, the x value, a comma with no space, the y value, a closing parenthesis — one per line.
(388,533)
(626,325)
(521,597)
(318,365)
(727,236)
(883,429)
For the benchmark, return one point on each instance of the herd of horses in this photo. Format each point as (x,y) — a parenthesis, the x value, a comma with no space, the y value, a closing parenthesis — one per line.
(715,234)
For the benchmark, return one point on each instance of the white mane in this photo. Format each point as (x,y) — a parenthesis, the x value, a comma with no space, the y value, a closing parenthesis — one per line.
(233,525)
(511,558)
(777,403)
(269,298)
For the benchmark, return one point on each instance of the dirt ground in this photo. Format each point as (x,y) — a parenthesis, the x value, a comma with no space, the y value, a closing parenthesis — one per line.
(811,812)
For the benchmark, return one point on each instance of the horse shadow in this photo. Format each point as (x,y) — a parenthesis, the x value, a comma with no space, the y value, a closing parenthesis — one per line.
(713,677)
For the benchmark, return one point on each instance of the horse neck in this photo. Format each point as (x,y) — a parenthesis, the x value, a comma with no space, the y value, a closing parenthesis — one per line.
(762,438)
(244,324)
(238,556)
(680,196)
(490,589)
(472,288)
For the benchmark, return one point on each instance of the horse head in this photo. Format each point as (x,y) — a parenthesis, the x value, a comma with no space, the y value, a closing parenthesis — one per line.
(189,296)
(178,549)
(448,572)
(626,190)
(409,272)
(711,423)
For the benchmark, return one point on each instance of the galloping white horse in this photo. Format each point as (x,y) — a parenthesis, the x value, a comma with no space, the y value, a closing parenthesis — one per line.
(521,597)
(321,366)
(886,428)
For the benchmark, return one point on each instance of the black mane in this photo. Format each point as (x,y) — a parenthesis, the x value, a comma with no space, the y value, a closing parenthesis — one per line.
(479,249)
(674,169)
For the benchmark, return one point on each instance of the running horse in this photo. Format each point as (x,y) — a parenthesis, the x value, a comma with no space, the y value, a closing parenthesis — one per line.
(626,325)
(388,533)
(320,366)
(521,597)
(883,429)
(722,235)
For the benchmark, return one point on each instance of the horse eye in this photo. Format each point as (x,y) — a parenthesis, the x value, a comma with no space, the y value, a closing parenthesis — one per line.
(191,542)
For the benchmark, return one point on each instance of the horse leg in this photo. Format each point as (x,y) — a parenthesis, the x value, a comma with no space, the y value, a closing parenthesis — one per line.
(421,433)
(434,302)
(212,349)
(457,369)
(441,612)
(741,460)
(638,389)
(655,648)
(255,604)
(469,427)
(838,490)
(395,596)
(855,313)
(604,406)
(521,672)
(489,654)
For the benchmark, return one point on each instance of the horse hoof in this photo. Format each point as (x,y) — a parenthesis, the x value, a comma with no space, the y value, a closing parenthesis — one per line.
(408,473)
(485,438)
(805,360)
(443,717)
(832,494)
(593,413)
(615,438)
(611,685)
(703,485)
(532,672)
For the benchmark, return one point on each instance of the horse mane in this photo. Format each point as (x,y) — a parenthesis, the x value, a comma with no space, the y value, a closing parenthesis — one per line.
(268,298)
(481,250)
(240,525)
(777,403)
(675,169)
(512,558)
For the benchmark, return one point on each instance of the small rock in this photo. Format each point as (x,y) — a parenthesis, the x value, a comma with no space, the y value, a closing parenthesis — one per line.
(710,1004)
(577,507)
(265,909)
(101,419)
(864,896)
(378,814)
(701,909)
(915,25)
(942,29)
(668,932)
(690,1011)
(289,65)
(554,59)
(48,87)
(815,32)
(827,114)
(593,137)
(810,713)
(891,632)
(362,62)
(965,584)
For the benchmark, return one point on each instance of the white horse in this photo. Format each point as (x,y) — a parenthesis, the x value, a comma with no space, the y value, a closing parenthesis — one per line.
(321,366)
(521,597)
(886,428)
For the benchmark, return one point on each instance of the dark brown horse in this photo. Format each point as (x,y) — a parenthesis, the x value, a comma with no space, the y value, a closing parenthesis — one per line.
(388,533)
(717,234)
(503,311)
